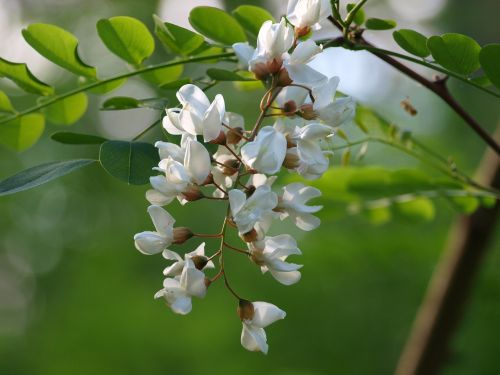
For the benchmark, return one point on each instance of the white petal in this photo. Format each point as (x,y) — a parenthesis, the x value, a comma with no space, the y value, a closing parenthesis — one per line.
(236,200)
(286,278)
(266,314)
(150,243)
(212,121)
(171,255)
(193,280)
(244,52)
(157,198)
(302,74)
(194,96)
(171,122)
(167,149)
(254,339)
(307,222)
(197,161)
(162,220)
(304,52)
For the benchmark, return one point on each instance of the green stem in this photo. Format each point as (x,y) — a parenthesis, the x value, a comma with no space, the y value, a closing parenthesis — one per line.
(57,98)
(350,16)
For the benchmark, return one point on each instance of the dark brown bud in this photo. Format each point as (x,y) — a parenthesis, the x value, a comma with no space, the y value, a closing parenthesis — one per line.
(249,191)
(220,140)
(181,235)
(274,65)
(307,112)
(291,161)
(246,310)
(230,167)
(290,108)
(283,78)
(209,180)
(302,31)
(263,70)
(249,236)
(199,261)
(192,193)
(289,142)
(234,135)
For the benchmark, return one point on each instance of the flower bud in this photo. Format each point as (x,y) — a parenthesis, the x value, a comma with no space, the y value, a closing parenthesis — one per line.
(181,235)
(220,140)
(249,236)
(234,135)
(192,193)
(199,261)
(230,167)
(283,78)
(292,160)
(307,112)
(245,310)
(289,108)
(289,142)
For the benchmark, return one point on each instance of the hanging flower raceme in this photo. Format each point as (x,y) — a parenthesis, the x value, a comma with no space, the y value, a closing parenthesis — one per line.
(242,168)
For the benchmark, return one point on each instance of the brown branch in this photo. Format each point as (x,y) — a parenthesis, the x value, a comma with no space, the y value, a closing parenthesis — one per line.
(428,346)
(438,87)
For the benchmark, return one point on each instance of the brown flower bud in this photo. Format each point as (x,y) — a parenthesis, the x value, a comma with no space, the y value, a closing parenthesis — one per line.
(246,310)
(220,140)
(234,135)
(289,142)
(209,180)
(289,108)
(263,70)
(192,193)
(302,31)
(199,261)
(249,236)
(181,235)
(291,161)
(283,78)
(307,112)
(250,190)
(230,167)
(274,66)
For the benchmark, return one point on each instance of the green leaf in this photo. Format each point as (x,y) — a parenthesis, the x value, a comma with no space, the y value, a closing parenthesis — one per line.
(466,204)
(126,37)
(176,39)
(379,24)
(68,110)
(70,138)
(455,52)
(489,58)
(226,75)
(217,25)
(252,17)
(418,209)
(412,41)
(359,18)
(22,77)
(131,162)
(41,174)
(5,104)
(119,103)
(161,76)
(59,46)
(481,81)
(21,133)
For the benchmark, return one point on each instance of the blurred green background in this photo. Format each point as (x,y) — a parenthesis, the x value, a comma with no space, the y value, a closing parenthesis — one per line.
(77,298)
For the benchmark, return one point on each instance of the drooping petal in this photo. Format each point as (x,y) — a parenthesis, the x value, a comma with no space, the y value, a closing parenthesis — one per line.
(266,314)
(166,149)
(212,121)
(244,52)
(197,161)
(237,199)
(171,122)
(193,280)
(254,339)
(286,278)
(195,97)
(150,243)
(162,220)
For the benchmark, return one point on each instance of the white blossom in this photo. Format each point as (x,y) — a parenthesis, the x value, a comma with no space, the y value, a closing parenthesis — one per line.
(271,253)
(297,68)
(175,269)
(155,242)
(175,296)
(293,204)
(253,336)
(246,212)
(307,13)
(267,152)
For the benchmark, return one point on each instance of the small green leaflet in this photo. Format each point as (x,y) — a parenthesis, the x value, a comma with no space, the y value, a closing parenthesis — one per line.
(59,46)
(126,37)
(131,162)
(412,41)
(226,75)
(125,102)
(252,17)
(22,132)
(5,104)
(489,58)
(22,77)
(176,39)
(217,25)
(41,174)
(71,138)
(359,18)
(379,24)
(68,110)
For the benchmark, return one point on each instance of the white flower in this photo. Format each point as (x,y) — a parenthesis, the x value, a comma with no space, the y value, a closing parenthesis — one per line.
(271,253)
(175,296)
(293,204)
(176,268)
(247,212)
(267,152)
(244,52)
(297,68)
(192,279)
(307,13)
(198,116)
(155,242)
(333,112)
(178,177)
(261,314)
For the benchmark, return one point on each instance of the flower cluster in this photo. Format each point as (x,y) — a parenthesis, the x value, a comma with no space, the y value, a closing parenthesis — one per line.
(305,111)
